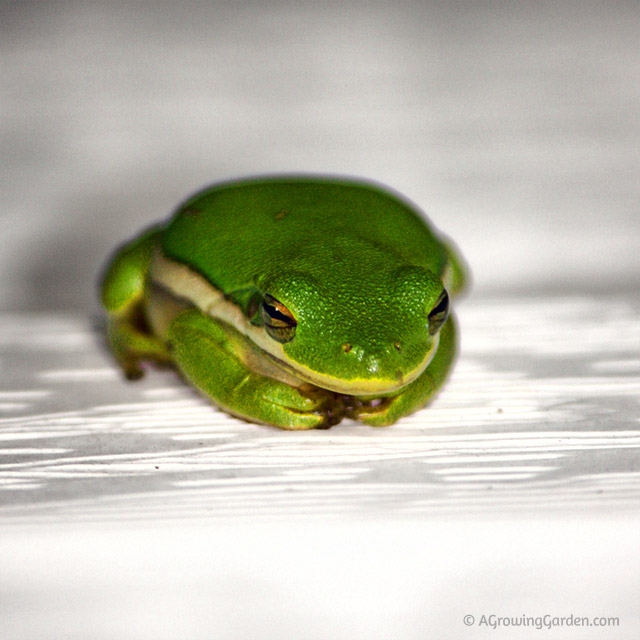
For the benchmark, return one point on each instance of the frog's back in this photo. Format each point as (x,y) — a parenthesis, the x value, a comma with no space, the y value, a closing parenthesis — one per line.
(233,232)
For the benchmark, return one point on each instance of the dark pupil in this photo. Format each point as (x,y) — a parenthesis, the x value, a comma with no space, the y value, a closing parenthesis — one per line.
(439,313)
(275,314)
(278,322)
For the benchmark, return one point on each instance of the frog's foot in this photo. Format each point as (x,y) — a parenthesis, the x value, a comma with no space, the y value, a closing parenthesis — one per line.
(213,357)
(374,411)
(384,411)
(132,344)
(293,408)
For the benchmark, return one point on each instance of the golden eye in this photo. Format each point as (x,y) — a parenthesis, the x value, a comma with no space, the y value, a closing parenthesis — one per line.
(277,319)
(439,313)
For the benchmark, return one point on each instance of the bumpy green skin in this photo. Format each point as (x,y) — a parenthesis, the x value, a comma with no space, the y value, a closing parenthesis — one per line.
(354,264)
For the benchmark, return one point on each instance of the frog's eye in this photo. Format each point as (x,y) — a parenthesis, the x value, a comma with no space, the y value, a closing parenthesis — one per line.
(439,313)
(277,319)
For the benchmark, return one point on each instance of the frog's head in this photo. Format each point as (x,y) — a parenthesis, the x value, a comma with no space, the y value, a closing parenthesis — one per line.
(370,334)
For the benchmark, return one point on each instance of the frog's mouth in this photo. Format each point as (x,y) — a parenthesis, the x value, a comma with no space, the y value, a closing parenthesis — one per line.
(357,386)
(177,286)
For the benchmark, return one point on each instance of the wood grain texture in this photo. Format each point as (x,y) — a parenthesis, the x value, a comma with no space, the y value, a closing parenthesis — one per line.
(137,510)
(541,413)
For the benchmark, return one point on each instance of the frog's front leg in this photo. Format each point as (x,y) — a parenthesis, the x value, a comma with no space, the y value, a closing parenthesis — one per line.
(123,291)
(227,368)
(384,411)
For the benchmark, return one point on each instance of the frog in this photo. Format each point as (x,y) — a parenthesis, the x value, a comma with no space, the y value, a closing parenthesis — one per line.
(294,301)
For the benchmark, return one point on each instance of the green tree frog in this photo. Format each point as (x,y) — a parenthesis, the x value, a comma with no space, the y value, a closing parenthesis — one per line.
(291,301)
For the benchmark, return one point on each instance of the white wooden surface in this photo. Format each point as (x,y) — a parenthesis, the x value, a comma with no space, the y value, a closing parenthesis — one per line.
(541,412)
(137,510)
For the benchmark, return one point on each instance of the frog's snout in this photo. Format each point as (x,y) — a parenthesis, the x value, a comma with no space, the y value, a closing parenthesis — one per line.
(369,362)
(377,364)
(386,366)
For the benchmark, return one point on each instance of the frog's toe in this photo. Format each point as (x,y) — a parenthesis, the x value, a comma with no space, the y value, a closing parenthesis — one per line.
(305,407)
(376,412)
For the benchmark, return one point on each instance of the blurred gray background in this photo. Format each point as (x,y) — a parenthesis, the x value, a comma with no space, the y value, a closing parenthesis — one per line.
(516,126)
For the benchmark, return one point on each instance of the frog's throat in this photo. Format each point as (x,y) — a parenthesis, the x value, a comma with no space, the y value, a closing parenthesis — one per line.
(187,288)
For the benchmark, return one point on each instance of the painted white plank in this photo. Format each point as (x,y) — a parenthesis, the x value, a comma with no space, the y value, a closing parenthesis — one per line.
(540,413)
